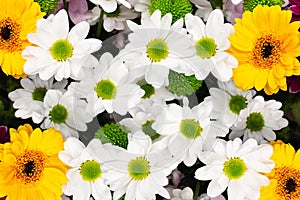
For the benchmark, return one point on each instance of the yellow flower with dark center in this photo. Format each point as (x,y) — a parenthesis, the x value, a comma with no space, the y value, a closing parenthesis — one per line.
(285,176)
(17,19)
(30,167)
(266,45)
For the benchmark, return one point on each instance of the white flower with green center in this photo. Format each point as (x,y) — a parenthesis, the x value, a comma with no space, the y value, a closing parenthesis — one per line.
(140,171)
(143,116)
(156,46)
(65,112)
(110,6)
(58,52)
(259,120)
(228,102)
(211,42)
(86,175)
(29,100)
(188,131)
(108,88)
(112,21)
(236,166)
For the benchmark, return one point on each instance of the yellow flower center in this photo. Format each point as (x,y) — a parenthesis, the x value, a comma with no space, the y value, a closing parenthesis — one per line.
(30,166)
(266,52)
(9,35)
(288,183)
(139,168)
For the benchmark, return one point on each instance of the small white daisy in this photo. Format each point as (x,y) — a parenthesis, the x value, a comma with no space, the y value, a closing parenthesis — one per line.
(110,6)
(188,131)
(58,52)
(107,87)
(211,42)
(204,8)
(65,112)
(157,46)
(228,101)
(112,21)
(140,171)
(259,120)
(184,194)
(236,166)
(29,100)
(86,175)
(143,116)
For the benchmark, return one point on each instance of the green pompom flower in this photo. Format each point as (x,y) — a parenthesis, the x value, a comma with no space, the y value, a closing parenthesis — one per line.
(249,5)
(178,8)
(113,133)
(47,6)
(180,84)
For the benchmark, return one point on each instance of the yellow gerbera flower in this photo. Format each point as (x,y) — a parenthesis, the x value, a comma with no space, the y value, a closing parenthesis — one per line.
(266,45)
(17,19)
(30,167)
(285,176)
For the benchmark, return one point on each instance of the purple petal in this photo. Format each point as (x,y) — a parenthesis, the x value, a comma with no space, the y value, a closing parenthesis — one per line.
(4,135)
(295,10)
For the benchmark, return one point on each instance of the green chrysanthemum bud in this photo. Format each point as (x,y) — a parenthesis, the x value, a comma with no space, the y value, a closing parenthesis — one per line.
(113,133)
(249,5)
(180,84)
(178,8)
(47,6)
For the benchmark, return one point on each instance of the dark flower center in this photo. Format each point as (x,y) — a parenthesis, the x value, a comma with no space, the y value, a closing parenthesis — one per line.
(290,185)
(29,168)
(267,50)
(6,32)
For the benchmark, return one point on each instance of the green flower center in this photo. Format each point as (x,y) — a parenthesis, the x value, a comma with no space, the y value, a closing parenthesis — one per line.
(114,14)
(61,50)
(58,114)
(178,8)
(148,88)
(205,47)
(39,94)
(237,103)
(90,170)
(157,50)
(47,6)
(106,89)
(255,122)
(249,5)
(190,129)
(180,84)
(147,129)
(113,133)
(139,168)
(234,168)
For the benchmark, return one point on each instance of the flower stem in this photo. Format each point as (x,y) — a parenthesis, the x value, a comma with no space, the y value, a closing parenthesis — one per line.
(100,22)
(65,5)
(197,190)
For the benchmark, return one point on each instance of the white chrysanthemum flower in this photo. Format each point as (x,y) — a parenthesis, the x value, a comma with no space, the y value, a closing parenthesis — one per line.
(259,120)
(58,52)
(140,171)
(143,116)
(110,6)
(29,100)
(86,175)
(228,101)
(236,166)
(188,131)
(157,46)
(107,87)
(211,42)
(204,8)
(65,112)
(184,194)
(112,21)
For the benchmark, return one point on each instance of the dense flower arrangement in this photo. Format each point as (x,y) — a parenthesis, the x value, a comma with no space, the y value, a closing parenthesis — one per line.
(149,99)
